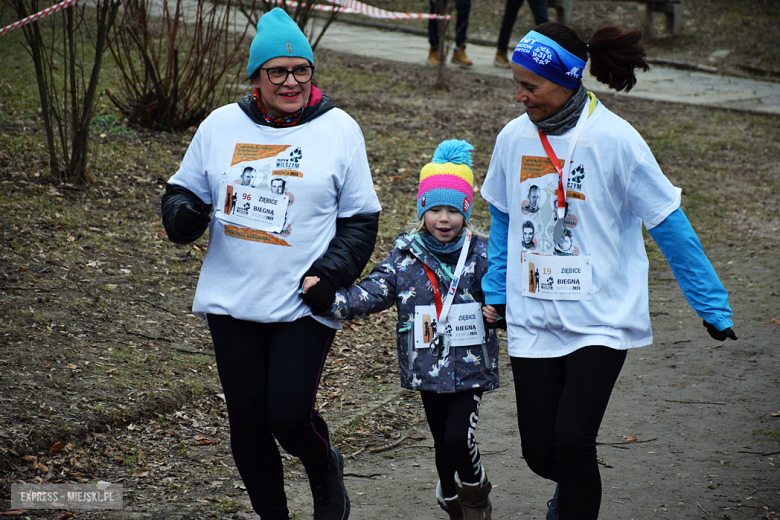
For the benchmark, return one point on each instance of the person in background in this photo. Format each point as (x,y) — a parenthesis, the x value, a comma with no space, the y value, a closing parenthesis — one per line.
(463,8)
(569,338)
(539,11)
(270,340)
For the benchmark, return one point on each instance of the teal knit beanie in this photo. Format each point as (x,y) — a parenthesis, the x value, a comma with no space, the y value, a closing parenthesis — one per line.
(278,36)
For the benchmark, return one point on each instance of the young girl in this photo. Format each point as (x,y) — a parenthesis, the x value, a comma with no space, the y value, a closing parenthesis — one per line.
(434,278)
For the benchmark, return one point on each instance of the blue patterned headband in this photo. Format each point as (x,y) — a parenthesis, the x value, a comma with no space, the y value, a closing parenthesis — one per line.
(543,56)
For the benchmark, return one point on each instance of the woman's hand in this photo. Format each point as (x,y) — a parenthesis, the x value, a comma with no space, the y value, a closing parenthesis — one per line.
(490,313)
(494,315)
(309,282)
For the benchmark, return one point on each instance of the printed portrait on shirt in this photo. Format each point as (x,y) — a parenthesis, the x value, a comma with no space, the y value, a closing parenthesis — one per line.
(529,242)
(531,205)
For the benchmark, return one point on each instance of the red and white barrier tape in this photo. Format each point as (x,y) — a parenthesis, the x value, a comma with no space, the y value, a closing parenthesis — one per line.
(46,12)
(344,6)
(355,7)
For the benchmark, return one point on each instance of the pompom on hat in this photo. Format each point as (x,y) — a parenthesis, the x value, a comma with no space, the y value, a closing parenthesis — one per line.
(278,36)
(447,180)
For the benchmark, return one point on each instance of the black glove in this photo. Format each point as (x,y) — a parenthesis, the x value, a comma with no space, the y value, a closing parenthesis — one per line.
(501,322)
(719,335)
(190,218)
(320,297)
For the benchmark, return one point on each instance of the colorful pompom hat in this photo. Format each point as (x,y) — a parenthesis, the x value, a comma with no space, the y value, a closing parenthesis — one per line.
(447,180)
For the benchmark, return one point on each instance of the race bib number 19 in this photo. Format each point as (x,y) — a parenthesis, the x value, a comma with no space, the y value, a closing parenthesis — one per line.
(557,277)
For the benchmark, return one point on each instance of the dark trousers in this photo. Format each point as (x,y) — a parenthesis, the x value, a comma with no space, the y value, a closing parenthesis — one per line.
(463,8)
(270,373)
(452,419)
(560,405)
(538,9)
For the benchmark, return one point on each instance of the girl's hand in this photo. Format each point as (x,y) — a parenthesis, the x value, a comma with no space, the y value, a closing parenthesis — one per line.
(309,282)
(490,313)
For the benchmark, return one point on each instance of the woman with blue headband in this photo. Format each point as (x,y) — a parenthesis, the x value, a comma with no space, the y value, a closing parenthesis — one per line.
(574,299)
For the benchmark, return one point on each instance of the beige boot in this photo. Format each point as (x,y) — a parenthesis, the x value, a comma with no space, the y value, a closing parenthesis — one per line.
(459,57)
(433,56)
(451,506)
(474,498)
(501,61)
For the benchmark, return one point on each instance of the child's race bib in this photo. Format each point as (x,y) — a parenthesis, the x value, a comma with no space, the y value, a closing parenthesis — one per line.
(464,327)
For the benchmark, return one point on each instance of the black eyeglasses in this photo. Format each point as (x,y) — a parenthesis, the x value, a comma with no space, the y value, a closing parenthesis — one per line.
(278,75)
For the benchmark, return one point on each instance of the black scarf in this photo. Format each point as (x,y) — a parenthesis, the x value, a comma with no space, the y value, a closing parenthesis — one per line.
(566,118)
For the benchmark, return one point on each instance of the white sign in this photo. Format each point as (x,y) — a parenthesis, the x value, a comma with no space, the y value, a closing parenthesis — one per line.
(249,207)
(465,326)
(551,277)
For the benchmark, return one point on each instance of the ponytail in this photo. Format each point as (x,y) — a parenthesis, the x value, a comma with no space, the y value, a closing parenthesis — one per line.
(614,53)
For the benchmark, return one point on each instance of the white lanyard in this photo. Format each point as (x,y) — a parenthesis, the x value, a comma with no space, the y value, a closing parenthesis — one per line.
(447,303)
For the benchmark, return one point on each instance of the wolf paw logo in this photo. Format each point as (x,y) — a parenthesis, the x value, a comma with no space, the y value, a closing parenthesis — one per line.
(579,174)
(296,155)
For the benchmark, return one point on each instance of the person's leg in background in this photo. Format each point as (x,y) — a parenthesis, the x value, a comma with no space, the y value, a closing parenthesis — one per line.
(511,9)
(539,11)
(433,35)
(463,8)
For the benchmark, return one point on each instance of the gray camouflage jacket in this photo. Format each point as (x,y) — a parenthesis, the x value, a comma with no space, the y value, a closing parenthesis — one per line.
(400,279)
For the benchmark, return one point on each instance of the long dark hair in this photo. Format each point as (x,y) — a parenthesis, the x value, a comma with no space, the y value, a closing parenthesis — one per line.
(614,53)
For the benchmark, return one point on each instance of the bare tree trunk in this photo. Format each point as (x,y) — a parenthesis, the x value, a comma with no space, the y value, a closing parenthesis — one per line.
(442,7)
(68,101)
(33,36)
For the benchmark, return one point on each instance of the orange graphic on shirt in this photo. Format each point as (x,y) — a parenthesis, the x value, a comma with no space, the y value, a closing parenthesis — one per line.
(571,194)
(254,235)
(287,173)
(533,167)
(254,152)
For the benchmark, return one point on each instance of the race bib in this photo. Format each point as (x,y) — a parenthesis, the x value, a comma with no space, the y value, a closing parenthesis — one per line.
(464,327)
(557,277)
(249,207)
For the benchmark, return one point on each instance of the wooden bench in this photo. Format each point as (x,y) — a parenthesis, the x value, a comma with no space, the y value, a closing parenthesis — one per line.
(672,9)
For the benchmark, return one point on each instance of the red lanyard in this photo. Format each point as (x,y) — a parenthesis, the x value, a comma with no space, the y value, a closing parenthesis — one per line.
(436,292)
(557,164)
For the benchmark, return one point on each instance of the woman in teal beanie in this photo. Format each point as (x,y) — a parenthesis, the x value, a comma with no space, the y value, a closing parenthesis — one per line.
(311,210)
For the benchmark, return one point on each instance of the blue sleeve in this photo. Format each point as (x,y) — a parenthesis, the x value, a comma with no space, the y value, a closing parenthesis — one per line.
(494,281)
(692,269)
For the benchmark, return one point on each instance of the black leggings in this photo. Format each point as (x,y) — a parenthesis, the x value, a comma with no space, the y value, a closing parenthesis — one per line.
(538,8)
(452,419)
(270,373)
(463,7)
(560,404)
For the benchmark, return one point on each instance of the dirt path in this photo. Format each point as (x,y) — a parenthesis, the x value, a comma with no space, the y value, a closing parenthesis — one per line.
(702,413)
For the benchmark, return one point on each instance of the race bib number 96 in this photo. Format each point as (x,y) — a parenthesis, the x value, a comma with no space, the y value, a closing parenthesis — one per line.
(252,208)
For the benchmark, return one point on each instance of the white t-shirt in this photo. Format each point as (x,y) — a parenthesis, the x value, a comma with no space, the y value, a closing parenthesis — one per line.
(320,165)
(615,184)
